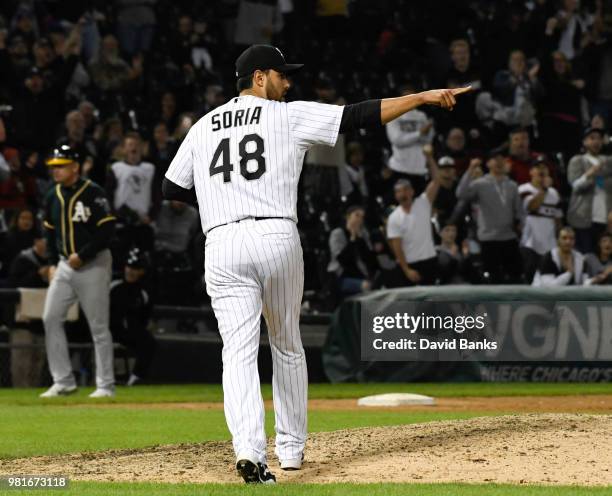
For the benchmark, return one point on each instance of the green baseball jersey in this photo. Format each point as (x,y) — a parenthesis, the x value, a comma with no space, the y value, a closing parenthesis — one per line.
(78,219)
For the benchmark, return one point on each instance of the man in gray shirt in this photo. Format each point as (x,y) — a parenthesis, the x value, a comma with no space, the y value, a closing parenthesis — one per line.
(590,176)
(175,227)
(499,208)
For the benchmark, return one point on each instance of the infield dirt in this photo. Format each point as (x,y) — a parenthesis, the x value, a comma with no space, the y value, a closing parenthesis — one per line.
(601,403)
(522,449)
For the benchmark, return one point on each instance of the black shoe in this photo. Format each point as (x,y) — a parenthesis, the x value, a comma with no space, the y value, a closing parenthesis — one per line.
(255,474)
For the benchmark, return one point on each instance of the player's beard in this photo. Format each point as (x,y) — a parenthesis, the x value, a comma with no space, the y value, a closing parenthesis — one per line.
(273,92)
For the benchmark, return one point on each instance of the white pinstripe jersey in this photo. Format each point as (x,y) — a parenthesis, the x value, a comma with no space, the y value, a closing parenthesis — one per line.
(245,157)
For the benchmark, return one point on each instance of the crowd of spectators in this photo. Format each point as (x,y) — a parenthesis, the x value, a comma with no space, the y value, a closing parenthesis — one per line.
(513,186)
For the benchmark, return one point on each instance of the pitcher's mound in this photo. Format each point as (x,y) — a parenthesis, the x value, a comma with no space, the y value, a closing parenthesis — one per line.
(532,449)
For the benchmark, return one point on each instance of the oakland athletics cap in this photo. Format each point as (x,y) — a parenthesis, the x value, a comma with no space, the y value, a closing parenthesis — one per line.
(62,155)
(263,57)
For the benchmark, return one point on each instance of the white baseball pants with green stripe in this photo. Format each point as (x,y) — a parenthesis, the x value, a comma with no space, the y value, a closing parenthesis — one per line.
(88,285)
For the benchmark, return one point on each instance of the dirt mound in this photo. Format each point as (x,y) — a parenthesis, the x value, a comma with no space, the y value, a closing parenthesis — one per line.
(535,448)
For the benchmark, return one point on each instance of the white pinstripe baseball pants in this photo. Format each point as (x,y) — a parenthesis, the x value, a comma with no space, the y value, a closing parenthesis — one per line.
(254,267)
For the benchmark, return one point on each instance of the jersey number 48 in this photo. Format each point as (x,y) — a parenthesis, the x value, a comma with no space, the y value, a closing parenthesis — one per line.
(226,167)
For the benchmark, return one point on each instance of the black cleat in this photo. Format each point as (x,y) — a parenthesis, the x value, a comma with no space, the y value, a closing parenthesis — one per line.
(255,473)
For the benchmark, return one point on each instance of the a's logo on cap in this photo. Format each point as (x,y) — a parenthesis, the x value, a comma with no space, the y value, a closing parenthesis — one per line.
(278,50)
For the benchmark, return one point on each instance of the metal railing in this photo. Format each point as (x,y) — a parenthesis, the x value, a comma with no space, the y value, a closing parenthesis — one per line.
(179,312)
(33,370)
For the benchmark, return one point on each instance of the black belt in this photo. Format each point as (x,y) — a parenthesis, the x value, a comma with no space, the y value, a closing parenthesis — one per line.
(260,218)
(246,218)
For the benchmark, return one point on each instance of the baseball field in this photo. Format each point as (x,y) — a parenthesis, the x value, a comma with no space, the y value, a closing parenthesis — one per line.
(498,439)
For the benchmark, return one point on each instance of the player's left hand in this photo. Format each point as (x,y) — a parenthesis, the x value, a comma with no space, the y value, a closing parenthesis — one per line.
(75,261)
(444,98)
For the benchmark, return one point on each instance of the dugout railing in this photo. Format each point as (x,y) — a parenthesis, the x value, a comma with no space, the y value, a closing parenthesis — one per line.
(179,325)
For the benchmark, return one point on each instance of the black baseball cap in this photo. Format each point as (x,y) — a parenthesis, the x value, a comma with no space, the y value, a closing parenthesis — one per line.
(137,259)
(538,161)
(446,161)
(500,151)
(263,57)
(62,155)
(33,71)
(591,130)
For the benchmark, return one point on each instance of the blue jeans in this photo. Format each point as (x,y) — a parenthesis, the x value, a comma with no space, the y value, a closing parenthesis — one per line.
(350,285)
(587,238)
(135,38)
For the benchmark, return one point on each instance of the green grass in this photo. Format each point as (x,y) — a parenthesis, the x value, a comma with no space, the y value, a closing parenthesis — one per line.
(30,426)
(29,431)
(141,489)
(213,392)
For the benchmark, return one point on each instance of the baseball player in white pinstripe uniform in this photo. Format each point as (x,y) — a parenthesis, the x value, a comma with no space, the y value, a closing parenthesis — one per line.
(242,162)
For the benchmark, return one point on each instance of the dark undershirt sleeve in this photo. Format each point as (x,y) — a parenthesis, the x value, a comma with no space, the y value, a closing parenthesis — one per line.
(173,191)
(361,115)
(101,240)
